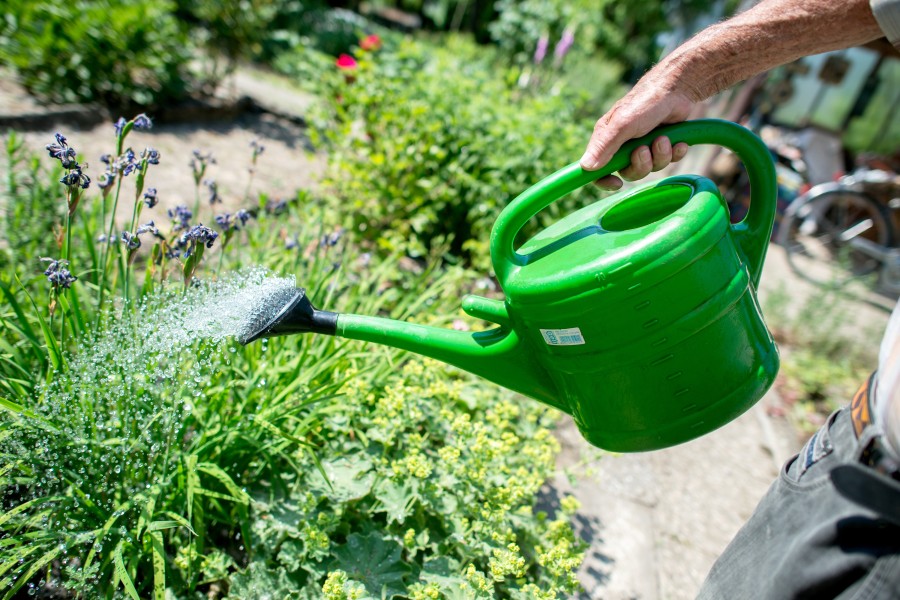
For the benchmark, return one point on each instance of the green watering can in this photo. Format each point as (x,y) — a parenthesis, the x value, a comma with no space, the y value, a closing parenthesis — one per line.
(637,315)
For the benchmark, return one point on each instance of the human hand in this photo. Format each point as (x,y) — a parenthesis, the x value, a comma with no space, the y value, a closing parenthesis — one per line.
(649,104)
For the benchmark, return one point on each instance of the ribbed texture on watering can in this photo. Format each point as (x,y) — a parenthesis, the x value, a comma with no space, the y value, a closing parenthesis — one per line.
(612,319)
(680,392)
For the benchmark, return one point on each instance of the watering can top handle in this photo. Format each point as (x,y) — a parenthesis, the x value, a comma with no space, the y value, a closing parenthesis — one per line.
(752,232)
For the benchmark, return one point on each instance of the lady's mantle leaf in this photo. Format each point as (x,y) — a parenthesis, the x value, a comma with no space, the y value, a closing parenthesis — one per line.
(374,562)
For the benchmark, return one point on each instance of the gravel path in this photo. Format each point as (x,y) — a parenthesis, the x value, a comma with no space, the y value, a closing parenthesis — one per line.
(288,163)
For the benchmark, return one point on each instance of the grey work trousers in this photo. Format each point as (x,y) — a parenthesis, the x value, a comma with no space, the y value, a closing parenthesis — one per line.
(805,540)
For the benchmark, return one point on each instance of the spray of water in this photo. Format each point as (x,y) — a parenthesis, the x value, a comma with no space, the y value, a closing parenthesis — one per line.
(228,308)
(113,423)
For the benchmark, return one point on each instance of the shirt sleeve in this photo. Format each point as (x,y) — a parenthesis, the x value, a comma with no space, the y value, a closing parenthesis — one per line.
(887,13)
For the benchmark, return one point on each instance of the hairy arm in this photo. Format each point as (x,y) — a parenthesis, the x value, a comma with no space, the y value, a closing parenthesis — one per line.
(772,33)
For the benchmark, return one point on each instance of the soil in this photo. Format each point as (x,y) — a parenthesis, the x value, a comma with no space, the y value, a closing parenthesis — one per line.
(655,522)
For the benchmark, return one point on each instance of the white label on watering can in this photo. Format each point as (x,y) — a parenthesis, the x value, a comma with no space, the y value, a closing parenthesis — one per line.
(563,337)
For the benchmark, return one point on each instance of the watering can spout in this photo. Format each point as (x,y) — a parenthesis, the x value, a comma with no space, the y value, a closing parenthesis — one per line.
(295,315)
(497,354)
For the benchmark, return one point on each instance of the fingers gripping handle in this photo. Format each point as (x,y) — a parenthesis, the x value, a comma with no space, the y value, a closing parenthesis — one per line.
(752,232)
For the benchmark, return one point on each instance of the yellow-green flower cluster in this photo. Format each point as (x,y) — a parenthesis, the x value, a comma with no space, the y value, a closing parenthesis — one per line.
(317,541)
(414,464)
(428,591)
(478,582)
(507,562)
(338,586)
(563,557)
(459,463)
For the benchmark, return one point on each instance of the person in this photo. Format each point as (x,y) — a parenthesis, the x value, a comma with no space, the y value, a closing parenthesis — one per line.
(829,526)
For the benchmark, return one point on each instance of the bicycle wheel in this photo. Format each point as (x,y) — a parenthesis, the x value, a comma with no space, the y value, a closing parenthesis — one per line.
(816,232)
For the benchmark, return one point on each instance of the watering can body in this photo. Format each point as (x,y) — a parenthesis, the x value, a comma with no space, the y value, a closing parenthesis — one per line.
(642,307)
(643,310)
(637,314)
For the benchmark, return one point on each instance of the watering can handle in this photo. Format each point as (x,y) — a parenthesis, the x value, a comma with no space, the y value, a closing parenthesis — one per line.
(752,233)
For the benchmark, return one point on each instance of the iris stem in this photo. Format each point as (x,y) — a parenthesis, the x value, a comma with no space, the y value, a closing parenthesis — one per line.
(105,263)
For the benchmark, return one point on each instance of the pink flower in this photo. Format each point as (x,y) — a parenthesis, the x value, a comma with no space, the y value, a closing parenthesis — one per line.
(564,45)
(345,62)
(370,43)
(541,51)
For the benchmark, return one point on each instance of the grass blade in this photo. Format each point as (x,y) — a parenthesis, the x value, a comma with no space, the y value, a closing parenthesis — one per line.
(37,566)
(180,520)
(159,566)
(225,479)
(53,351)
(122,573)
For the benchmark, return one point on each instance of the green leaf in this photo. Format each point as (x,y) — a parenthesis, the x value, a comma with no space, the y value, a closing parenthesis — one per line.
(122,572)
(445,572)
(180,520)
(159,566)
(162,525)
(37,566)
(258,582)
(12,557)
(115,516)
(225,479)
(349,478)
(53,351)
(147,510)
(396,499)
(218,495)
(43,422)
(25,505)
(373,561)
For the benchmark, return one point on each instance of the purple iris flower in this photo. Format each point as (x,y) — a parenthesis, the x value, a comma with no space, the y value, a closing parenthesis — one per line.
(182,215)
(150,197)
(142,121)
(57,273)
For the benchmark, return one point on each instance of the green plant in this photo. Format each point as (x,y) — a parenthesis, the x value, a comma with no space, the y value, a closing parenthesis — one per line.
(825,355)
(431,479)
(33,203)
(630,34)
(144,454)
(118,53)
(428,144)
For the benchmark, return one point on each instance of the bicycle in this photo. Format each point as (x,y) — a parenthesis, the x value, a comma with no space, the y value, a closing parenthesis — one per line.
(847,230)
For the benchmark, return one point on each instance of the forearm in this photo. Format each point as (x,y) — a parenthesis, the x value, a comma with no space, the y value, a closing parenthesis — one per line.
(772,33)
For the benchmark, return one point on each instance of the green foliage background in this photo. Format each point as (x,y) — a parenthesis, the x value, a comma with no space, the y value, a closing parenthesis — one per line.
(428,143)
(114,52)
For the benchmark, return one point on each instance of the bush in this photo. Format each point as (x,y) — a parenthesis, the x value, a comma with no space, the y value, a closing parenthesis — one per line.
(118,53)
(299,25)
(143,455)
(429,146)
(232,30)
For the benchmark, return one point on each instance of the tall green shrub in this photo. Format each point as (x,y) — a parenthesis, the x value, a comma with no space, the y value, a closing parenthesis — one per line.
(115,52)
(429,145)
